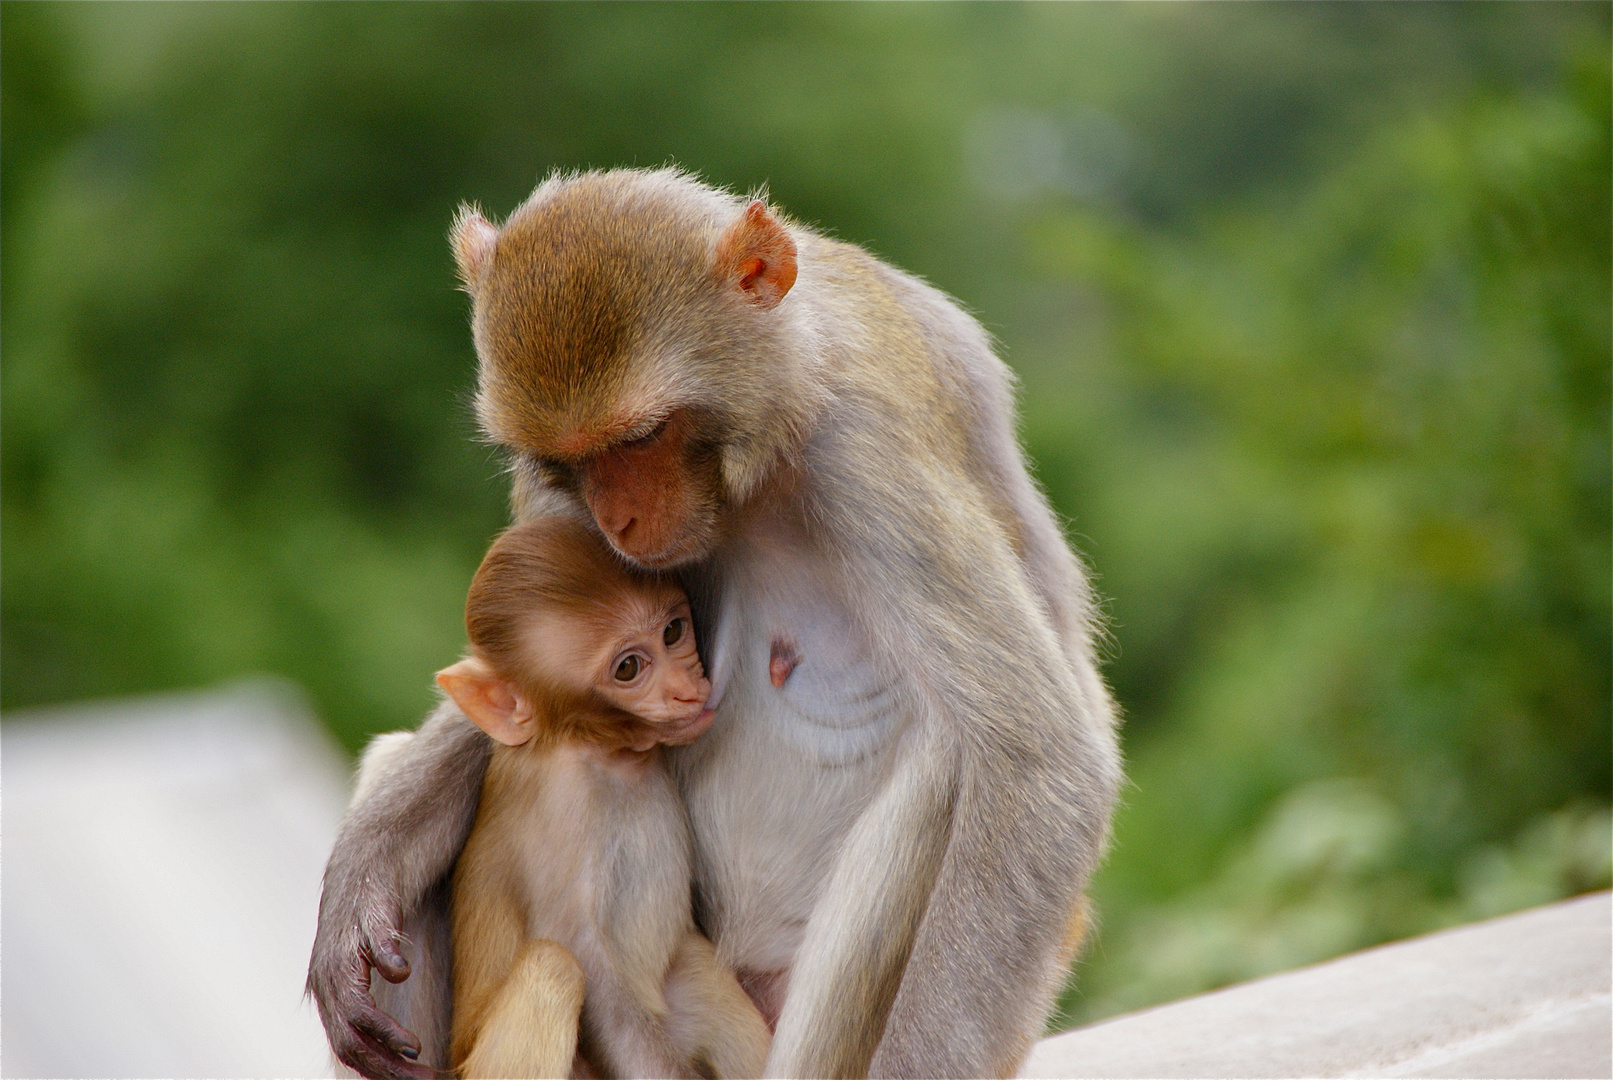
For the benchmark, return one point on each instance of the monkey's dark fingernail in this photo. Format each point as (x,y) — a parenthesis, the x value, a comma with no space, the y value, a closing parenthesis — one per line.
(409,1052)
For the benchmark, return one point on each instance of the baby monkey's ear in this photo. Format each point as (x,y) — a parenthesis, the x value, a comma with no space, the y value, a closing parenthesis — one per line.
(491,702)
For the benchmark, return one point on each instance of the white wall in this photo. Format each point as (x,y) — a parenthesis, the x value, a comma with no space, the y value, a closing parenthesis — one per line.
(161,878)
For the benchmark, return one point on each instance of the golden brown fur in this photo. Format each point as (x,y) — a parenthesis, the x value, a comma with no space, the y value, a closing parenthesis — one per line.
(576,876)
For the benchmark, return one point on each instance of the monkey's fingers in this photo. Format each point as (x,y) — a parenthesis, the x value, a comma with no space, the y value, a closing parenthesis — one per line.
(378,945)
(371,1023)
(386,959)
(369,1058)
(372,1042)
(361,1035)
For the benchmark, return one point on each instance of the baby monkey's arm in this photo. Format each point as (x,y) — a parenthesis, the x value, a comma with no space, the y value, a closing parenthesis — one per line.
(710,1017)
(530,1026)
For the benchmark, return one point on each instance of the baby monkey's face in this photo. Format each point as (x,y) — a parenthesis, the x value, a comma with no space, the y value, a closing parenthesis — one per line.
(636,651)
(651,668)
(633,648)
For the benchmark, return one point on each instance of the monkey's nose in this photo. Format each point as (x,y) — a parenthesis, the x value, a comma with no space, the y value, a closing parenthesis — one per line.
(615,517)
(618,526)
(689,690)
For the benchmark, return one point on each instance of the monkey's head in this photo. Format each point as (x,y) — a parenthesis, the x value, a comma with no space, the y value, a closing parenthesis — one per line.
(636,348)
(569,641)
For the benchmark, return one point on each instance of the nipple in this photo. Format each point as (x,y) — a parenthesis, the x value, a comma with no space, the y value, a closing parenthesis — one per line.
(782,661)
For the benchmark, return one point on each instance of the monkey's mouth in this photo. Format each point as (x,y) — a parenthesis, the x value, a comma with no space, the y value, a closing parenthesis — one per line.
(678,553)
(685,731)
(689,543)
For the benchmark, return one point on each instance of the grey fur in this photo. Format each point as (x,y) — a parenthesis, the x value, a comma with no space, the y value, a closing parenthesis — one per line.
(386,882)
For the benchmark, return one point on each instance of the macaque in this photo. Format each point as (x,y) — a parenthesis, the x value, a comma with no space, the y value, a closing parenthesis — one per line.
(912,766)
(571,898)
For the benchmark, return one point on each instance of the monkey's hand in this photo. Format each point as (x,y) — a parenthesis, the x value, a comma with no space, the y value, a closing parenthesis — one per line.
(362,1036)
(414,805)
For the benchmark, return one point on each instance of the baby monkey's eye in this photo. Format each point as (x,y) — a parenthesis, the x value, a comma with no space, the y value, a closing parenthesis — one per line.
(673,633)
(628,669)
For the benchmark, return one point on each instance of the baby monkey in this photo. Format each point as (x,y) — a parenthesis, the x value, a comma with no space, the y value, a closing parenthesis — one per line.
(574,946)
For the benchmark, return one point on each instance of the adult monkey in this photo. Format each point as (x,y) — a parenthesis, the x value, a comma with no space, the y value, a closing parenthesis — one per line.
(911,772)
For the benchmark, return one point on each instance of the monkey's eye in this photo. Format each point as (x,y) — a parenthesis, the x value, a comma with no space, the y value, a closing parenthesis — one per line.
(551,472)
(673,633)
(647,438)
(628,669)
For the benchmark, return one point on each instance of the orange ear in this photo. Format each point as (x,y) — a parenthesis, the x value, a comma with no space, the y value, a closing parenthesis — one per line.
(491,702)
(472,237)
(757,256)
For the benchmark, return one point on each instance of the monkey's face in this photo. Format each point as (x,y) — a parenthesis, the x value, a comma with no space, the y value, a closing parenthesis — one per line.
(627,333)
(657,498)
(655,674)
(657,495)
(640,657)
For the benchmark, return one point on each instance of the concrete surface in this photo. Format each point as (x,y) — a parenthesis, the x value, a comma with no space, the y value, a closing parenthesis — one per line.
(1522,996)
(162,860)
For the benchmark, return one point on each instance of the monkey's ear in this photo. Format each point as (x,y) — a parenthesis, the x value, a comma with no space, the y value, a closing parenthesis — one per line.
(472,238)
(756,256)
(490,702)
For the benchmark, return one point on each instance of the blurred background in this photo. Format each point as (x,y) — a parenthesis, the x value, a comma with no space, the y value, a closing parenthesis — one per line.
(1310,304)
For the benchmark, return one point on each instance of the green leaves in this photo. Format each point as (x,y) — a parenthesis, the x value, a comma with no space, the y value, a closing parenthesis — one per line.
(1377,540)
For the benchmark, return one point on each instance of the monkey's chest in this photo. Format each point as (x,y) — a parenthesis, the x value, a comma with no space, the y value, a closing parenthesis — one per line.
(791,665)
(805,722)
(604,870)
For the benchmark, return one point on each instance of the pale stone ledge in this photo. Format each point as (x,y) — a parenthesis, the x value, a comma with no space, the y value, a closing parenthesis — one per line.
(1522,996)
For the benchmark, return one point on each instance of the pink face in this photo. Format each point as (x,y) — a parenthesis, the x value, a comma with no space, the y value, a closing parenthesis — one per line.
(645,663)
(635,649)
(650,496)
(656,675)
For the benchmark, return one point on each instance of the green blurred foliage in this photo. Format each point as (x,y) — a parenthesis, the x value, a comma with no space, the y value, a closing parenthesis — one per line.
(1310,303)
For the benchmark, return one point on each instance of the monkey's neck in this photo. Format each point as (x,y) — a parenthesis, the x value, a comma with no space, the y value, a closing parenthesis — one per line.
(623,761)
(615,758)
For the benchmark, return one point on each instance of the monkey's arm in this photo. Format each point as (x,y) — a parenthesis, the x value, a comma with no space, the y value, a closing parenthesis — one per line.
(710,1018)
(530,1025)
(973,859)
(859,935)
(996,934)
(395,843)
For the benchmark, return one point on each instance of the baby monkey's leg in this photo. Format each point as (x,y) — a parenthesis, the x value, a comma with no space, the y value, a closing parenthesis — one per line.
(710,1017)
(531,1027)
